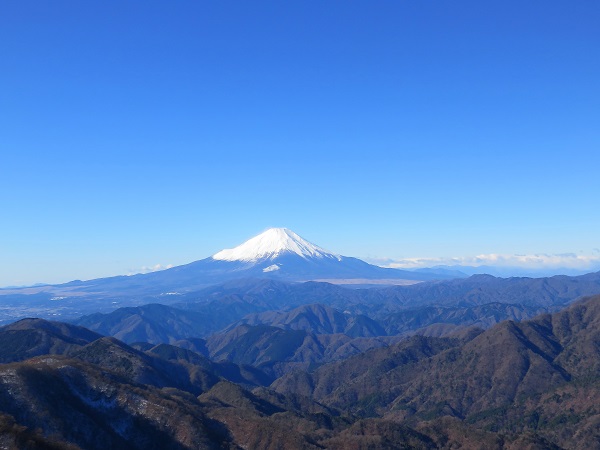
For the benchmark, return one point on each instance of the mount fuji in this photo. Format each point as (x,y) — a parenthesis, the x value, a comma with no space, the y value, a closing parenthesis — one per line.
(270,245)
(276,254)
(279,253)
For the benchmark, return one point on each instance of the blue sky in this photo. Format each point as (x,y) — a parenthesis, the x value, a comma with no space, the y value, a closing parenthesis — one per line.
(142,133)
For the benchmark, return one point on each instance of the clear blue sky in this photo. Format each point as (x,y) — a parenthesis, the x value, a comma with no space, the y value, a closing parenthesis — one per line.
(134,133)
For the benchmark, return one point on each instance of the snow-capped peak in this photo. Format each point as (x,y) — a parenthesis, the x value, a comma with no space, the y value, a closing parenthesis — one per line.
(270,244)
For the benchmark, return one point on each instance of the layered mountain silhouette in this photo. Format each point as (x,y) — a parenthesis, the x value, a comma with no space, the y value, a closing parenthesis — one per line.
(540,375)
(432,308)
(533,384)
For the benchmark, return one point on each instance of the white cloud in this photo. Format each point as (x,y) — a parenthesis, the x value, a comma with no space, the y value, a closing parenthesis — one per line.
(148,269)
(534,261)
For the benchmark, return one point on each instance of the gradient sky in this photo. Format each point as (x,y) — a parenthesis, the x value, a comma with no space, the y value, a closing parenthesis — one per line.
(136,133)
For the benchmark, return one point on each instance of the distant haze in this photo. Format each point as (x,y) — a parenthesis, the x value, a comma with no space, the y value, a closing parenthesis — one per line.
(503,265)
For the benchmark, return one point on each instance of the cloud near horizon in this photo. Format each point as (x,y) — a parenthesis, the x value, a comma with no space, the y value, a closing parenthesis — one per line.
(534,261)
(149,269)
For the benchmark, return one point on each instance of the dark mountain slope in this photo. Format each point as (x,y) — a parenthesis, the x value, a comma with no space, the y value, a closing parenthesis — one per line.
(149,323)
(494,369)
(255,345)
(32,337)
(363,375)
(423,319)
(491,370)
(15,436)
(316,319)
(160,366)
(258,423)
(277,351)
(95,409)
(202,371)
(168,366)
(143,368)
(538,376)
(578,330)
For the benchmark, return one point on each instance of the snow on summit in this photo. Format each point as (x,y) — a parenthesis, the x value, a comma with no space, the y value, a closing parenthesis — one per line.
(270,244)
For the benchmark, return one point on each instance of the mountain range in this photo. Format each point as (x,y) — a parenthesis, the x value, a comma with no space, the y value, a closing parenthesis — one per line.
(278,254)
(433,308)
(532,384)
(537,375)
